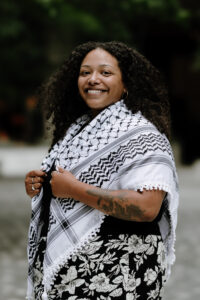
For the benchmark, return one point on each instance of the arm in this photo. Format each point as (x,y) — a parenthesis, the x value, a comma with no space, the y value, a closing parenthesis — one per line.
(123,204)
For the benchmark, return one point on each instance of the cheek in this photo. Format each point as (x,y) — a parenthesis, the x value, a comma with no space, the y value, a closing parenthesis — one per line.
(119,87)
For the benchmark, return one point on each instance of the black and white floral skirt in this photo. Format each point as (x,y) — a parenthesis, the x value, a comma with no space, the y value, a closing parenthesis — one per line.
(125,266)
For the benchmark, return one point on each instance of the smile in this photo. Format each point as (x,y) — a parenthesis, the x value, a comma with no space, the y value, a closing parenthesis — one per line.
(89,91)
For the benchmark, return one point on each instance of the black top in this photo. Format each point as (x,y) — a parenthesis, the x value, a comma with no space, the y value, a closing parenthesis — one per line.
(112,225)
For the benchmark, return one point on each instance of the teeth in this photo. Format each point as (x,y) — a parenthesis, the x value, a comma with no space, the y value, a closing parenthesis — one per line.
(95,91)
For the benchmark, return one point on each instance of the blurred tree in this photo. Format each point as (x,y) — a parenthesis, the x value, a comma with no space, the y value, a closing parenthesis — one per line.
(22,51)
(36,35)
(23,59)
(39,33)
(75,21)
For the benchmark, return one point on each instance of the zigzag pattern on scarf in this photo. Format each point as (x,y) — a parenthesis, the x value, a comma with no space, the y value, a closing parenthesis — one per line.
(102,171)
(67,204)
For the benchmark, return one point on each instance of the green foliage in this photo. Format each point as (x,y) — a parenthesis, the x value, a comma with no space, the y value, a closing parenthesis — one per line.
(22,50)
(35,35)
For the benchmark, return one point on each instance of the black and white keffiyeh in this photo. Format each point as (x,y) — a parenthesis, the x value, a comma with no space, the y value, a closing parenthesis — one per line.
(115,150)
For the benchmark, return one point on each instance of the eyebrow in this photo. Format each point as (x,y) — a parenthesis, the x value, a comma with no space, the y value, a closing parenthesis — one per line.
(102,65)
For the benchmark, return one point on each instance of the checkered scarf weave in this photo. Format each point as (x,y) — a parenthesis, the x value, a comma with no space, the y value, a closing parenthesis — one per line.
(115,150)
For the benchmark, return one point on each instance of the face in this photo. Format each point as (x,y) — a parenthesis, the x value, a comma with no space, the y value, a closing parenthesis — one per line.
(100,80)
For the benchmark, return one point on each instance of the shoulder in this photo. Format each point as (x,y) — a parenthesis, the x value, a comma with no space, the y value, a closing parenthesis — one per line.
(147,138)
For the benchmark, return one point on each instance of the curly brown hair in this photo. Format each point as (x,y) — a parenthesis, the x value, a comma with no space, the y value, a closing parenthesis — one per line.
(146,89)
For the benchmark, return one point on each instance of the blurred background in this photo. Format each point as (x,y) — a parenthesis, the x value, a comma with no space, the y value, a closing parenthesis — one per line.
(35,37)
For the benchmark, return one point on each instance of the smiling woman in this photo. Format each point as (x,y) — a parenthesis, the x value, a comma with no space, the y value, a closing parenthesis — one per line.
(100,80)
(105,200)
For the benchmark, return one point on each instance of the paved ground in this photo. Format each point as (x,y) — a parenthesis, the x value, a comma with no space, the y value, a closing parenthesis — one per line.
(15,212)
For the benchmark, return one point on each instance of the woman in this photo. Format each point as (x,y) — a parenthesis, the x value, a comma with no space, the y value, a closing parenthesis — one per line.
(104,202)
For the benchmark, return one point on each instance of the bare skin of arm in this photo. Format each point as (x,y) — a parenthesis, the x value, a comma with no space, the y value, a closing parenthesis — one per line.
(123,204)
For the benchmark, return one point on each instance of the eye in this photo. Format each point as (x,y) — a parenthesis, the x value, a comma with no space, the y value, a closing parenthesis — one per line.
(106,73)
(84,73)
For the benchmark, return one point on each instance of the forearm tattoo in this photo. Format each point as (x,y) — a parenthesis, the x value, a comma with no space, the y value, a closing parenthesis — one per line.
(118,205)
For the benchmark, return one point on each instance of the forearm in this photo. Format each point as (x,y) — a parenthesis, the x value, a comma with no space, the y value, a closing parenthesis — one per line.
(123,204)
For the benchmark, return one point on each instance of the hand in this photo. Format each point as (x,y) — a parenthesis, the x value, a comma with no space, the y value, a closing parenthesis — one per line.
(33,182)
(62,183)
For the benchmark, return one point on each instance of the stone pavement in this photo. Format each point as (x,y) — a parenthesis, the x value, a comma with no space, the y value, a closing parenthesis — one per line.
(184,283)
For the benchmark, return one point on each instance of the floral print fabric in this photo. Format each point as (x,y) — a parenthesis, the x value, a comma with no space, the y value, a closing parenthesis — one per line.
(113,267)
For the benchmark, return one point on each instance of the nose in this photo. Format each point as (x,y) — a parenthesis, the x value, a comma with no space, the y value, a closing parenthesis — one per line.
(93,79)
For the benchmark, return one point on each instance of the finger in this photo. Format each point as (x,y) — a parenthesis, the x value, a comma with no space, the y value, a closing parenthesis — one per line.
(32,180)
(34,189)
(34,193)
(60,170)
(36,186)
(36,179)
(39,179)
(35,173)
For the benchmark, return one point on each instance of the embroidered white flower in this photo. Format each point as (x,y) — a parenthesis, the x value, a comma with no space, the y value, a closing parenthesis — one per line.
(70,282)
(101,284)
(71,275)
(118,279)
(150,276)
(151,239)
(136,245)
(92,247)
(132,283)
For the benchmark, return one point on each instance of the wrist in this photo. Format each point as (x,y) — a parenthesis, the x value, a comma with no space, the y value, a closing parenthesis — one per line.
(74,189)
(78,190)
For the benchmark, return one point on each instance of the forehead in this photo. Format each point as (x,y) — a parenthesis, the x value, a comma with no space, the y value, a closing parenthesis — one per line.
(99,57)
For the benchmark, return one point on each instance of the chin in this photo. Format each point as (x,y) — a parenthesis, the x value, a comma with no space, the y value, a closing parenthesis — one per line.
(95,104)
